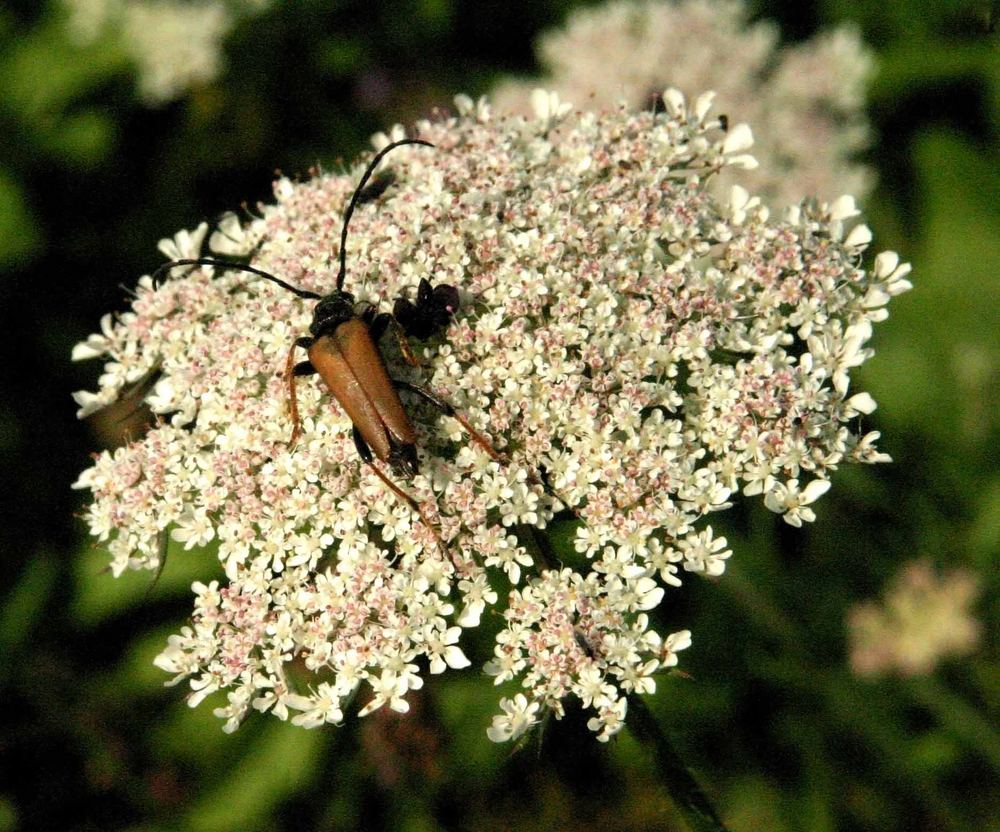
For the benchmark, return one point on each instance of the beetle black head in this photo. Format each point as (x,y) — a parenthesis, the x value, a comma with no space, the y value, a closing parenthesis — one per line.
(433,310)
(331,312)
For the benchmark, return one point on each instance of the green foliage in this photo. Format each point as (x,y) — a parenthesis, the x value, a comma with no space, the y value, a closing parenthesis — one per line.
(944,380)
(19,234)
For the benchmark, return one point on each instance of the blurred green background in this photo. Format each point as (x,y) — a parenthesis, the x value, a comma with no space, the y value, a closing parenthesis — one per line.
(780,733)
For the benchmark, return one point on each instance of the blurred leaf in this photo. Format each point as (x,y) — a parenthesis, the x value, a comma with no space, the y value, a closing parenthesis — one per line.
(934,752)
(916,20)
(932,330)
(466,707)
(753,804)
(984,532)
(340,57)
(99,595)
(962,720)
(194,736)
(910,65)
(8,815)
(82,138)
(42,72)
(19,234)
(435,14)
(280,762)
(23,607)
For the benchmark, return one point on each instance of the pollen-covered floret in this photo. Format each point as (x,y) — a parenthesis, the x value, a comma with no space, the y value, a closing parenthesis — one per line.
(648,351)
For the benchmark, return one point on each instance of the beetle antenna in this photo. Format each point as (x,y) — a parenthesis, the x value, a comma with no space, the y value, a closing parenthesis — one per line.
(354,201)
(222,264)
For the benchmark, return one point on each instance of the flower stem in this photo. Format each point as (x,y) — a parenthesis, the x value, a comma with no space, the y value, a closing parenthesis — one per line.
(959,717)
(671,770)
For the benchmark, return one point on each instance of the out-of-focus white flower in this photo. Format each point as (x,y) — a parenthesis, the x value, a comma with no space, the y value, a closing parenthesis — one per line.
(174,45)
(655,351)
(805,102)
(924,618)
(547,105)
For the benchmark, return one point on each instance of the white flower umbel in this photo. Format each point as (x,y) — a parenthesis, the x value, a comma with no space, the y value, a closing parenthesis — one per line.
(805,102)
(653,351)
(174,45)
(924,618)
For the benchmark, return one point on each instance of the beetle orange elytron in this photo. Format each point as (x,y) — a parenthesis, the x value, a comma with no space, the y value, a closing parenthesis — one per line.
(341,348)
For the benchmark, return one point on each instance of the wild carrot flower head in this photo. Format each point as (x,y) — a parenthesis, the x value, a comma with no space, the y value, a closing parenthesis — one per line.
(804,102)
(650,349)
(924,618)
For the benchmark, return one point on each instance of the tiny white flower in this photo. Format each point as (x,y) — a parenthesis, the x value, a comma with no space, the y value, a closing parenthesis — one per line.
(738,139)
(860,403)
(859,237)
(518,716)
(843,208)
(547,105)
(184,245)
(791,502)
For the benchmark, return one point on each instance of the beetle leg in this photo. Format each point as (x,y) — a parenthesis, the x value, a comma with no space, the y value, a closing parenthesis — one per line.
(366,455)
(448,410)
(162,543)
(291,371)
(479,439)
(404,344)
(378,326)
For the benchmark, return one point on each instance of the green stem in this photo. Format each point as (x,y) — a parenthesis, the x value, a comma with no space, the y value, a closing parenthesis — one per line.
(671,770)
(960,718)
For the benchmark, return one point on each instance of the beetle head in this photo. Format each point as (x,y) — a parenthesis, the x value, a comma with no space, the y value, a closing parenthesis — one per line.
(331,312)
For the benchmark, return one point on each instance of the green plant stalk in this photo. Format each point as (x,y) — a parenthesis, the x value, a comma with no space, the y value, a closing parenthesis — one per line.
(671,770)
(959,717)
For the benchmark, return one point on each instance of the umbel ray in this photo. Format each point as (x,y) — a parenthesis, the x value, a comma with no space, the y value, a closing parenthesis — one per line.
(342,349)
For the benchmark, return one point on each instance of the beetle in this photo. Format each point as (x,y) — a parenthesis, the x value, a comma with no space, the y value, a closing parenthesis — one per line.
(342,348)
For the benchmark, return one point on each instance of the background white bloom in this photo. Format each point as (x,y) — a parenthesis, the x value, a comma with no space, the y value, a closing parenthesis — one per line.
(924,618)
(804,101)
(175,45)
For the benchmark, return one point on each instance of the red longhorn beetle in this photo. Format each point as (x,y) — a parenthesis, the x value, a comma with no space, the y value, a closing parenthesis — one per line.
(342,349)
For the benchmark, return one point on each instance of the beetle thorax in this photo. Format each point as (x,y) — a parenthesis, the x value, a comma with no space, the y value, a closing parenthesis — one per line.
(331,312)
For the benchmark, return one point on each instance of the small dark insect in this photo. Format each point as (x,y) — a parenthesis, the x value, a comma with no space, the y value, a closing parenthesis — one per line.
(583,643)
(342,349)
(379,185)
(724,123)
